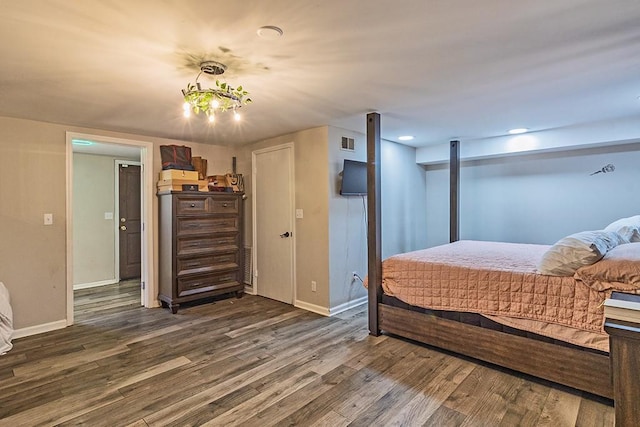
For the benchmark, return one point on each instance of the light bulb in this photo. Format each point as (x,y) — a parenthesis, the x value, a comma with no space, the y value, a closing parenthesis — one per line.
(187,112)
(215,103)
(212,118)
(236,116)
(186,106)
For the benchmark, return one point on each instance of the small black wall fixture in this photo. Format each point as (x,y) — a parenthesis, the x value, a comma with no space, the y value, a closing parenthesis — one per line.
(605,169)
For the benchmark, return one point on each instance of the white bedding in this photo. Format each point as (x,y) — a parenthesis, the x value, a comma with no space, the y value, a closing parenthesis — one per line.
(6,320)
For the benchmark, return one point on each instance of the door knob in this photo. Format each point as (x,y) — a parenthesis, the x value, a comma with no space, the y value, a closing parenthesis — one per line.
(123,220)
(287,234)
(123,227)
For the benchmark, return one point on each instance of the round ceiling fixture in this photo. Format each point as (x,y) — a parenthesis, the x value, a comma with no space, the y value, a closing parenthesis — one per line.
(270,32)
(213,68)
(517,131)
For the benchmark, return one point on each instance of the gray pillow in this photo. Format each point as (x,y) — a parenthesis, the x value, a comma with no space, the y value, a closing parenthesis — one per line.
(577,250)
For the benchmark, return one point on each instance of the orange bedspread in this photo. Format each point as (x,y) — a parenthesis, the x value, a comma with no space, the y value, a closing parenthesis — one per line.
(499,280)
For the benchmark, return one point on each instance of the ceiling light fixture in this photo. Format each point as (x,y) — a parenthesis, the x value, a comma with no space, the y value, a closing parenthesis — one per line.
(405,138)
(270,32)
(210,101)
(517,131)
(81,142)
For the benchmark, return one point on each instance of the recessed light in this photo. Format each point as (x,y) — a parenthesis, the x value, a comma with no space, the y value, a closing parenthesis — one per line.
(81,142)
(516,131)
(270,32)
(405,138)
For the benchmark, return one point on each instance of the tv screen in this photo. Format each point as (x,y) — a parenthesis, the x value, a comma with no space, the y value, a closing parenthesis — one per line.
(354,178)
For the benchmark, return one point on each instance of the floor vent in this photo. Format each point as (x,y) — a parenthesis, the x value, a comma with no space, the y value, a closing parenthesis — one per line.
(248,265)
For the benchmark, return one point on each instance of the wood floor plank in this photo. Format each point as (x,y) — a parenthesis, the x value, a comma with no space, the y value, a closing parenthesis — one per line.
(447,417)
(258,362)
(560,409)
(273,414)
(432,392)
(592,415)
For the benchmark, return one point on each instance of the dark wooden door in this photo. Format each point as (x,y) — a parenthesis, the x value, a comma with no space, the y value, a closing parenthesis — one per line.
(129,221)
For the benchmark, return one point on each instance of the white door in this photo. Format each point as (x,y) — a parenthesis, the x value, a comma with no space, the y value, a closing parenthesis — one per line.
(273,213)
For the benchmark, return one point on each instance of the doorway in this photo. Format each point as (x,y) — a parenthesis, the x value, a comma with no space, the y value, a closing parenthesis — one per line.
(141,262)
(273,222)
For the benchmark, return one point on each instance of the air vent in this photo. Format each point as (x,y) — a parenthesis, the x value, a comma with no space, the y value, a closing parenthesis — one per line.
(247,265)
(348,144)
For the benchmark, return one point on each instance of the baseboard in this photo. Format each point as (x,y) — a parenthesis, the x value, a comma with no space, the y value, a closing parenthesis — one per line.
(39,329)
(324,311)
(347,305)
(333,310)
(94,284)
(248,289)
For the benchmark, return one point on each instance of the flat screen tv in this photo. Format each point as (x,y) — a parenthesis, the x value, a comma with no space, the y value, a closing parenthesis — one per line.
(354,178)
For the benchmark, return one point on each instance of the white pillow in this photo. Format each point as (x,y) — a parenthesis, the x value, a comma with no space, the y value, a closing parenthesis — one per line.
(629,228)
(577,250)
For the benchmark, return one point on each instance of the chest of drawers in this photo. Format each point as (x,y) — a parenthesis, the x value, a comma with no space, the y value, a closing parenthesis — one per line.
(200,246)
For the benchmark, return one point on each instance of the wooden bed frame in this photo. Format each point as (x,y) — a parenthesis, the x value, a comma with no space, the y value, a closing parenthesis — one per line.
(615,376)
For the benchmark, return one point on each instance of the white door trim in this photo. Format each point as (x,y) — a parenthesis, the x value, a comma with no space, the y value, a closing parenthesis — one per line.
(116,209)
(254,255)
(148,223)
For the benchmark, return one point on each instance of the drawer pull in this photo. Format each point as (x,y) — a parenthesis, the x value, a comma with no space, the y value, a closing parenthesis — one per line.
(224,205)
(193,205)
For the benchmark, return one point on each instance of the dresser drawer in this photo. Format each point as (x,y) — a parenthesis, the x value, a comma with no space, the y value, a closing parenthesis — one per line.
(224,205)
(194,245)
(207,282)
(192,205)
(186,226)
(207,263)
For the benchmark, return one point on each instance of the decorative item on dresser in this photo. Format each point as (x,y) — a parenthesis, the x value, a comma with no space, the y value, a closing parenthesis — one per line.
(200,253)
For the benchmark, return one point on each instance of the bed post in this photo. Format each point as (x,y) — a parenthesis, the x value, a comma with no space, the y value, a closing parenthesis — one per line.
(454,191)
(374,237)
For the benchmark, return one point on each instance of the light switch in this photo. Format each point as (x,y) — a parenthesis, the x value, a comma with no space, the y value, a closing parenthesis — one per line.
(299,213)
(48,219)
(108,215)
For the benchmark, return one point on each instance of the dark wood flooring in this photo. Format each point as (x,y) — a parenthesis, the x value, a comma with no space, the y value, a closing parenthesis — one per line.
(257,362)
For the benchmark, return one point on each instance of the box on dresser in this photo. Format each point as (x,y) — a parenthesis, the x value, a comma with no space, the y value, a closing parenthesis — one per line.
(200,248)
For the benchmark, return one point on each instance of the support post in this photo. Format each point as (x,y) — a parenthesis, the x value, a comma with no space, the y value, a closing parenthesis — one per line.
(374,235)
(454,191)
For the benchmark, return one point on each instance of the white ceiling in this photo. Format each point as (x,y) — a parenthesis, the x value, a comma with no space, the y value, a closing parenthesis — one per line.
(436,69)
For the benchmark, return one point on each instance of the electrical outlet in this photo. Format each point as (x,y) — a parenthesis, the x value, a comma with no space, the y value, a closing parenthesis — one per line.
(48,219)
(313,286)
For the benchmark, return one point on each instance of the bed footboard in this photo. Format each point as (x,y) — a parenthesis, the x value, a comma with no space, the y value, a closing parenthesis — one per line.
(575,368)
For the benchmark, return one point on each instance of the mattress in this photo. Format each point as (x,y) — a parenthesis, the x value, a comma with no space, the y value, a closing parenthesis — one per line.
(499,281)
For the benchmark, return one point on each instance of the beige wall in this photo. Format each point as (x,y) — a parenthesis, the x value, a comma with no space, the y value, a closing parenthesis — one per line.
(311,195)
(93,235)
(33,182)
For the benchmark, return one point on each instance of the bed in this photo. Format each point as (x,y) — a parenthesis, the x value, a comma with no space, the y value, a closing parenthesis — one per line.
(597,359)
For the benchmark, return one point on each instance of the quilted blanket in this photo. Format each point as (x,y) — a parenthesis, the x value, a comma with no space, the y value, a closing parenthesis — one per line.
(496,279)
